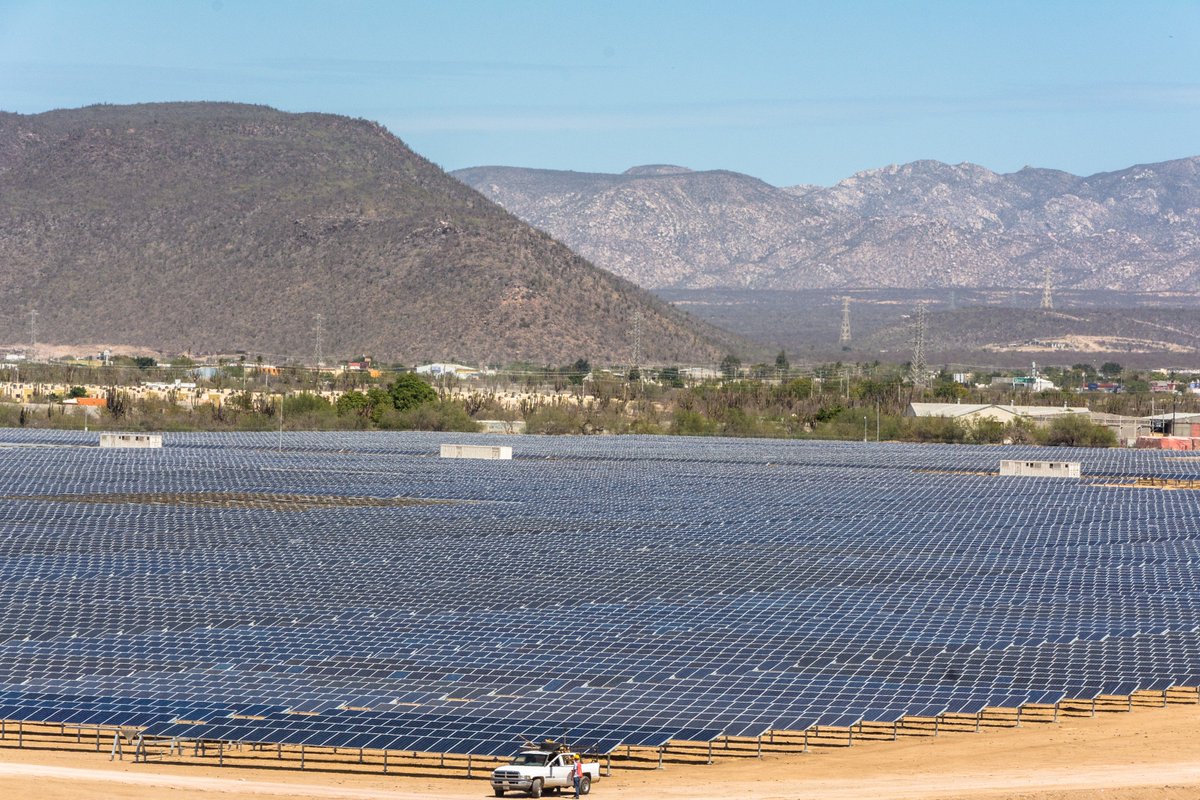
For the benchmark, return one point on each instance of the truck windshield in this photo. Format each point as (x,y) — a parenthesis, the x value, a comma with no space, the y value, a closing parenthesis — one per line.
(526,759)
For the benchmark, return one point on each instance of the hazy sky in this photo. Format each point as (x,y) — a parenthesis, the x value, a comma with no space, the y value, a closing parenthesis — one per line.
(791,92)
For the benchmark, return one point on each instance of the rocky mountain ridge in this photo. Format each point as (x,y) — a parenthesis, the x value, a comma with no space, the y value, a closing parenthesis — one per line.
(913,226)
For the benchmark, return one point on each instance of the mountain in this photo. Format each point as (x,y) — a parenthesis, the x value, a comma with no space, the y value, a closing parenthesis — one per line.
(212,227)
(914,226)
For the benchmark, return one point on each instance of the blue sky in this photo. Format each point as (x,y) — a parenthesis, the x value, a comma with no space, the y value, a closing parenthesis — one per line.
(791,92)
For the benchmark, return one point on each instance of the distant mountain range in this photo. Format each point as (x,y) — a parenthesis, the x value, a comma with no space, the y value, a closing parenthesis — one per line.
(212,227)
(918,226)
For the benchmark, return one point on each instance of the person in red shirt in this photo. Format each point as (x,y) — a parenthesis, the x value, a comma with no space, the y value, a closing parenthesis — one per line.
(578,774)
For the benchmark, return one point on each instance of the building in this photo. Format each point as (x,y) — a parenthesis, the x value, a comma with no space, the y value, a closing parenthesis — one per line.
(1127,429)
(441,369)
(969,412)
(1033,383)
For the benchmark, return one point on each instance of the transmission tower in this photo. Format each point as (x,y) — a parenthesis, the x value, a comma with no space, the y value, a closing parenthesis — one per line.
(637,341)
(33,315)
(1047,287)
(919,370)
(320,332)
(844,339)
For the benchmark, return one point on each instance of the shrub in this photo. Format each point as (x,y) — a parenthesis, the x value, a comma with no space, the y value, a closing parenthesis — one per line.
(692,423)
(1076,430)
(443,415)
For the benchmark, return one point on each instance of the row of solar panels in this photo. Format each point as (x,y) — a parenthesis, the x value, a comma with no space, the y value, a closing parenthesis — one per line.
(1108,462)
(396,731)
(691,586)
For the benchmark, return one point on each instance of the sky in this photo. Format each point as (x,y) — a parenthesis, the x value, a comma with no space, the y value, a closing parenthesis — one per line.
(789,92)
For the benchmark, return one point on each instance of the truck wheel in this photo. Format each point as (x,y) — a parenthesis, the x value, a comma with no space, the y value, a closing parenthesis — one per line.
(585,784)
(499,792)
(535,788)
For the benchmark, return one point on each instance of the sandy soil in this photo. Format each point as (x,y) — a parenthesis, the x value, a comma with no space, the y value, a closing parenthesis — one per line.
(1138,755)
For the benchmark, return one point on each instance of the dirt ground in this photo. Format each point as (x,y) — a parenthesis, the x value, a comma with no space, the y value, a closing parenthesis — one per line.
(1138,755)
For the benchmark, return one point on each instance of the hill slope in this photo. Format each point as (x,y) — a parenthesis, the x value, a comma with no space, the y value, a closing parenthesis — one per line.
(212,227)
(919,225)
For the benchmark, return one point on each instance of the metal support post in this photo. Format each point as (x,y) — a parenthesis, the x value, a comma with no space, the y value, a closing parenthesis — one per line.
(468,765)
(1093,706)
(360,755)
(20,733)
(220,754)
(760,745)
(661,750)
(301,756)
(937,725)
(805,750)
(978,720)
(385,762)
(116,752)
(1019,715)
(608,766)
(895,730)
(1056,712)
(279,750)
(710,751)
(1164,698)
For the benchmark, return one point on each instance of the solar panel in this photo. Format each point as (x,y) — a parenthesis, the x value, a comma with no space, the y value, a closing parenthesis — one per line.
(620,591)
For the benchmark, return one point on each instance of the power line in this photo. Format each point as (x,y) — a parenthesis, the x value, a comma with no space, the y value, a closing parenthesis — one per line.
(1047,287)
(844,338)
(919,370)
(637,340)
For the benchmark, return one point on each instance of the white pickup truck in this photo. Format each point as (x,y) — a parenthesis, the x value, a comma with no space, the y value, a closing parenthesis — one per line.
(535,771)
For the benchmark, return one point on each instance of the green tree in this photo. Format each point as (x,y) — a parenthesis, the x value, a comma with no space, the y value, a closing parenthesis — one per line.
(144,362)
(578,371)
(1076,430)
(408,391)
(949,390)
(1110,369)
(353,402)
(730,365)
(781,362)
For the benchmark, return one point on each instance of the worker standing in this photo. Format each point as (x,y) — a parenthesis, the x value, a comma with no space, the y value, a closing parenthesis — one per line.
(578,774)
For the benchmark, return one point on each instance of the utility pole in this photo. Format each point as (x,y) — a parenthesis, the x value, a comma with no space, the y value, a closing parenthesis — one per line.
(920,372)
(844,338)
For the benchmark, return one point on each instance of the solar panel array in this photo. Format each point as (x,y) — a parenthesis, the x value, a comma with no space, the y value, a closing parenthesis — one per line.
(624,590)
